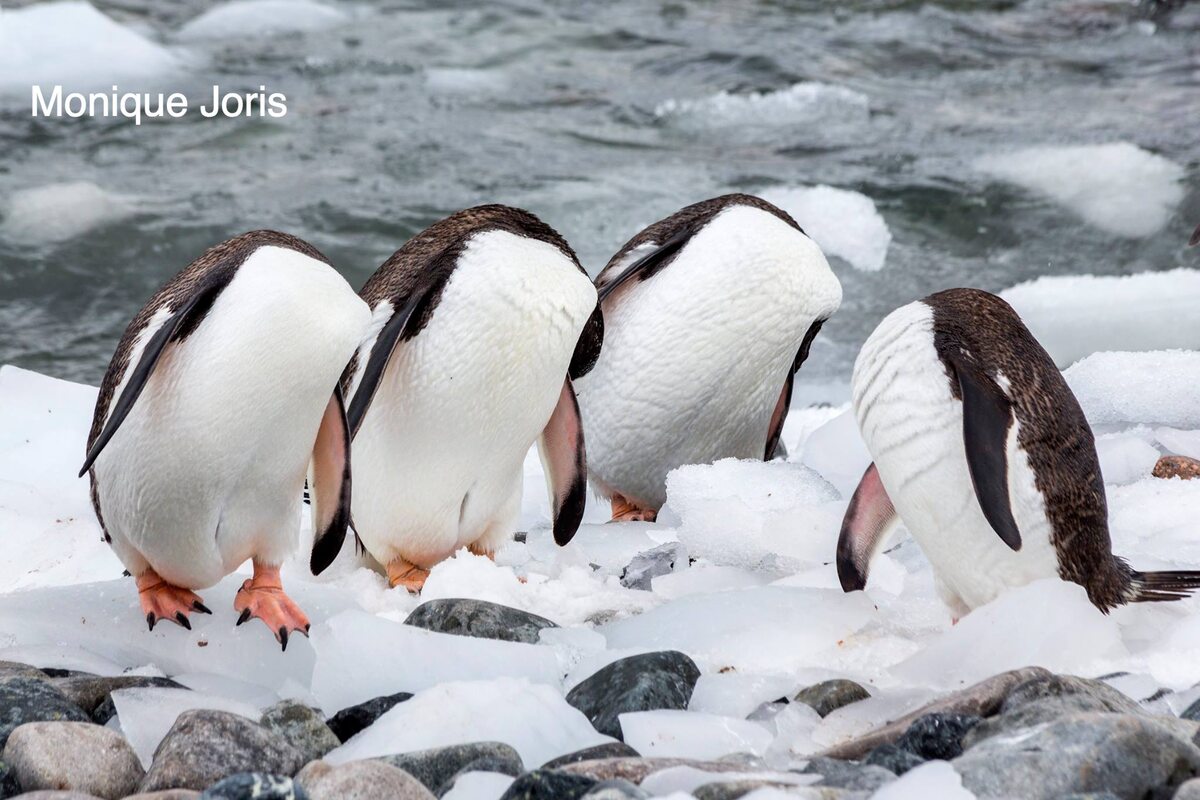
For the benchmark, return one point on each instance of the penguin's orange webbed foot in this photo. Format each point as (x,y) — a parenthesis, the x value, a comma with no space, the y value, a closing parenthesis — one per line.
(263,597)
(162,600)
(407,574)
(624,510)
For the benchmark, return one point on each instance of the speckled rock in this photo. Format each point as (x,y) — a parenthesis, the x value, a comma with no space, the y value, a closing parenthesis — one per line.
(15,669)
(635,770)
(205,746)
(303,726)
(80,756)
(937,736)
(56,794)
(544,784)
(849,775)
(1176,467)
(606,750)
(828,696)
(254,786)
(1048,699)
(8,782)
(360,780)
(352,719)
(166,794)
(90,691)
(436,766)
(615,790)
(894,759)
(24,699)
(479,618)
(644,682)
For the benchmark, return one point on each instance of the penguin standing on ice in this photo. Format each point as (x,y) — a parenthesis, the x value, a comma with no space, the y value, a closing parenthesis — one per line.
(221,397)
(982,450)
(708,315)
(480,323)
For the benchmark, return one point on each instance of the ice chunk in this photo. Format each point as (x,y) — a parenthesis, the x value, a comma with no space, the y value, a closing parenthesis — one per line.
(1124,458)
(755,514)
(57,656)
(736,694)
(682,780)
(1156,519)
(360,656)
(1118,187)
(1177,442)
(72,44)
(1152,388)
(703,578)
(250,694)
(932,779)
(845,224)
(794,727)
(688,734)
(241,18)
(148,713)
(837,451)
(799,104)
(60,211)
(462,81)
(1146,311)
(533,718)
(479,786)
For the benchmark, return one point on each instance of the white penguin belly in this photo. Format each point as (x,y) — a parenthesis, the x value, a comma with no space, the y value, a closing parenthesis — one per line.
(437,462)
(913,427)
(696,356)
(207,469)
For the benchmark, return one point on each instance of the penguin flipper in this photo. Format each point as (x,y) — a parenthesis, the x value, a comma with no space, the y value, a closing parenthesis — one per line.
(561,449)
(987,417)
(869,520)
(587,349)
(779,415)
(329,482)
(178,326)
(648,264)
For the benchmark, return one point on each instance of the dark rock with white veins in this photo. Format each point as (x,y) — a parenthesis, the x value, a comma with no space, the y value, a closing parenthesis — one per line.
(255,786)
(80,756)
(645,682)
(828,696)
(480,619)
(303,726)
(352,719)
(436,766)
(25,699)
(543,784)
(937,736)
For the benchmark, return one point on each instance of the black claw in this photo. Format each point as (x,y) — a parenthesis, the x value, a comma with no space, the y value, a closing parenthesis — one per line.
(306,627)
(200,608)
(283,636)
(245,616)
(150,620)
(182,620)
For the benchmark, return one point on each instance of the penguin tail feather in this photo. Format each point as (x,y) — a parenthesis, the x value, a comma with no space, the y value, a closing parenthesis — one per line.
(1148,587)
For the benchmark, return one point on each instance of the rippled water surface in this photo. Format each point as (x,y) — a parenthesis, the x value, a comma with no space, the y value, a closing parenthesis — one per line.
(601,118)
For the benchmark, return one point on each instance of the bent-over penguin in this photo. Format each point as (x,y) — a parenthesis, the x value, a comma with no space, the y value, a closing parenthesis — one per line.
(708,315)
(221,398)
(480,322)
(982,450)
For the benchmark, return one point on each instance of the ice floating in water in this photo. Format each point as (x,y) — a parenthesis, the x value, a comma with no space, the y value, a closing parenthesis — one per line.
(1156,388)
(845,224)
(1117,187)
(72,44)
(1146,311)
(534,719)
(799,104)
(60,211)
(148,713)
(260,17)
(464,81)
(689,734)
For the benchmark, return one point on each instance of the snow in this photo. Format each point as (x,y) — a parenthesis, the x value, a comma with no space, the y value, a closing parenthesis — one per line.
(1117,187)
(1127,388)
(1146,311)
(844,223)
(72,44)
(60,211)
(147,714)
(690,734)
(244,18)
(478,786)
(932,779)
(800,104)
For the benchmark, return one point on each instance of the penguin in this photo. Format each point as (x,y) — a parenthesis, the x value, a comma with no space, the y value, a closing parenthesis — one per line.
(708,315)
(222,397)
(983,452)
(480,323)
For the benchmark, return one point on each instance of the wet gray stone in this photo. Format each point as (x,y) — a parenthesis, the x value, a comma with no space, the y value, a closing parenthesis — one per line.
(849,774)
(1188,790)
(205,746)
(254,786)
(649,564)
(894,759)
(8,782)
(166,794)
(543,784)
(15,669)
(89,692)
(352,719)
(24,699)
(828,696)
(644,682)
(80,756)
(360,780)
(937,736)
(732,790)
(56,794)
(480,619)
(615,789)
(301,725)
(436,766)
(607,750)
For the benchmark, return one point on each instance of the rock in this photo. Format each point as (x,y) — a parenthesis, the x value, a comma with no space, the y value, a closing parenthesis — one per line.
(981,699)
(436,766)
(73,755)
(15,669)
(1176,467)
(635,770)
(1047,699)
(479,618)
(89,692)
(1094,796)
(848,774)
(615,790)
(352,719)
(25,699)
(544,784)
(828,696)
(1188,790)
(360,780)
(1192,712)
(54,794)
(254,786)
(937,736)
(301,725)
(607,750)
(645,682)
(8,781)
(894,759)
(649,564)
(166,794)
(1126,754)
(205,746)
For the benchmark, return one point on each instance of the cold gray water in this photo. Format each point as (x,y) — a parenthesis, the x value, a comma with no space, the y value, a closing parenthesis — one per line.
(601,118)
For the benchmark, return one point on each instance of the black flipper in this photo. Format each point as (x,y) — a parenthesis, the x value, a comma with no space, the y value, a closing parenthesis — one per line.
(177,327)
(330,484)
(587,349)
(779,416)
(648,264)
(987,417)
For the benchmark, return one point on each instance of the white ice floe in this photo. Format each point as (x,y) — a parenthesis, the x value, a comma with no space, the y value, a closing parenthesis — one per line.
(60,211)
(690,734)
(71,44)
(844,223)
(1076,315)
(147,714)
(1117,187)
(242,18)
(799,104)
(1152,388)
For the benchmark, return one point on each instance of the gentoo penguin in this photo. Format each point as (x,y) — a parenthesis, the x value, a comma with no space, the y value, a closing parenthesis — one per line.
(480,323)
(708,314)
(982,450)
(222,391)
